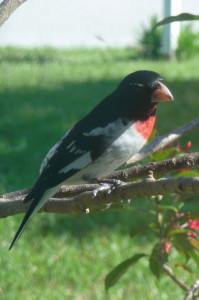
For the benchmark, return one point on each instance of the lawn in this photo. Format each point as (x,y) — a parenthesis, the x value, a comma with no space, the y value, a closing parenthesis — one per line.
(43,92)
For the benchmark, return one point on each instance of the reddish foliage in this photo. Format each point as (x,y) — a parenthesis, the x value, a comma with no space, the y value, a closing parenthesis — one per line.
(183,170)
(188,145)
(193,224)
(192,233)
(167,246)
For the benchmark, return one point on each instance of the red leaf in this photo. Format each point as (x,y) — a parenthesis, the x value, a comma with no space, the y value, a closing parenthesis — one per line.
(188,145)
(167,246)
(192,233)
(193,224)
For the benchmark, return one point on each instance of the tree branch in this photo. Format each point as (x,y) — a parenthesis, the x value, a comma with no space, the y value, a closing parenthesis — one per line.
(170,273)
(7,7)
(190,292)
(81,203)
(161,141)
(158,168)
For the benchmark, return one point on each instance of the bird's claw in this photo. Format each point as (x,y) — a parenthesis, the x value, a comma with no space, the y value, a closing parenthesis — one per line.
(103,187)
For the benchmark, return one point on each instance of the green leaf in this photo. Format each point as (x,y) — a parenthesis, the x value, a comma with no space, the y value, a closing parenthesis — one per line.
(152,212)
(167,207)
(188,173)
(182,245)
(185,247)
(164,154)
(153,135)
(179,205)
(194,242)
(154,262)
(178,231)
(181,154)
(194,256)
(195,214)
(147,211)
(177,18)
(184,267)
(112,278)
(141,229)
(138,230)
(191,199)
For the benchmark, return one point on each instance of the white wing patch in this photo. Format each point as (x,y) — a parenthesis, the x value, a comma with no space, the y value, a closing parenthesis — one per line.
(78,163)
(95,132)
(71,145)
(107,131)
(51,152)
(73,149)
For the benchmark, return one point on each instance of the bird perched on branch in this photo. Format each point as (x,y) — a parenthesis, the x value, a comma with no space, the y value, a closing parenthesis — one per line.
(115,130)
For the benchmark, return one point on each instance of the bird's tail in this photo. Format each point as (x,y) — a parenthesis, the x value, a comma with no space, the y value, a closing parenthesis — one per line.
(37,202)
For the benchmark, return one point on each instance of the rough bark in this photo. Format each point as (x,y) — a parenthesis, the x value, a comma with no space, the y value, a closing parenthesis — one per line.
(81,203)
(142,171)
(7,7)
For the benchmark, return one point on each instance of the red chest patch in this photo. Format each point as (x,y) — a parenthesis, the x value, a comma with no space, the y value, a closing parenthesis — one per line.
(146,127)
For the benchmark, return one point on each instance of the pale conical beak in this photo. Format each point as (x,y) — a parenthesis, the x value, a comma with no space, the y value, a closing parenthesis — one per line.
(161,94)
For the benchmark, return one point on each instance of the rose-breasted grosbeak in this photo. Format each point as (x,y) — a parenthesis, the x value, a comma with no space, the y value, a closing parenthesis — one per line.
(116,129)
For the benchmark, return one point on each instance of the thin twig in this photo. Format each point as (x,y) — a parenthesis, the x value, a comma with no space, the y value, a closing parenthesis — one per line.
(165,267)
(190,292)
(170,273)
(158,168)
(7,7)
(79,204)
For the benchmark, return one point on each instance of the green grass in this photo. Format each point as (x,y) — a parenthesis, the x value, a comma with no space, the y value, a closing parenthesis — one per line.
(43,92)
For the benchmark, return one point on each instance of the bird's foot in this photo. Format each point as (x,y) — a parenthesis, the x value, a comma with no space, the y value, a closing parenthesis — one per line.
(102,187)
(113,182)
(107,185)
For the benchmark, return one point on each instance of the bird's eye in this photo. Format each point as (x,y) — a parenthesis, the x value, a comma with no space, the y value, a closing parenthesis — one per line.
(158,86)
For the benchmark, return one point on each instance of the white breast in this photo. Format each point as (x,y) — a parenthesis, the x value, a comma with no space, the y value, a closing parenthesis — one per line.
(123,148)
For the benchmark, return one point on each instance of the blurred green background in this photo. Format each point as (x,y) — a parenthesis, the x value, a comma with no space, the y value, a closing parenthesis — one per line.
(43,92)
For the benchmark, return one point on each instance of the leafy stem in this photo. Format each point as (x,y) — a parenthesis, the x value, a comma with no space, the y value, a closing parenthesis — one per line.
(165,267)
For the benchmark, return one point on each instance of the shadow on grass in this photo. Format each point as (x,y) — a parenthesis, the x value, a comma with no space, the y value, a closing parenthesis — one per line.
(32,120)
